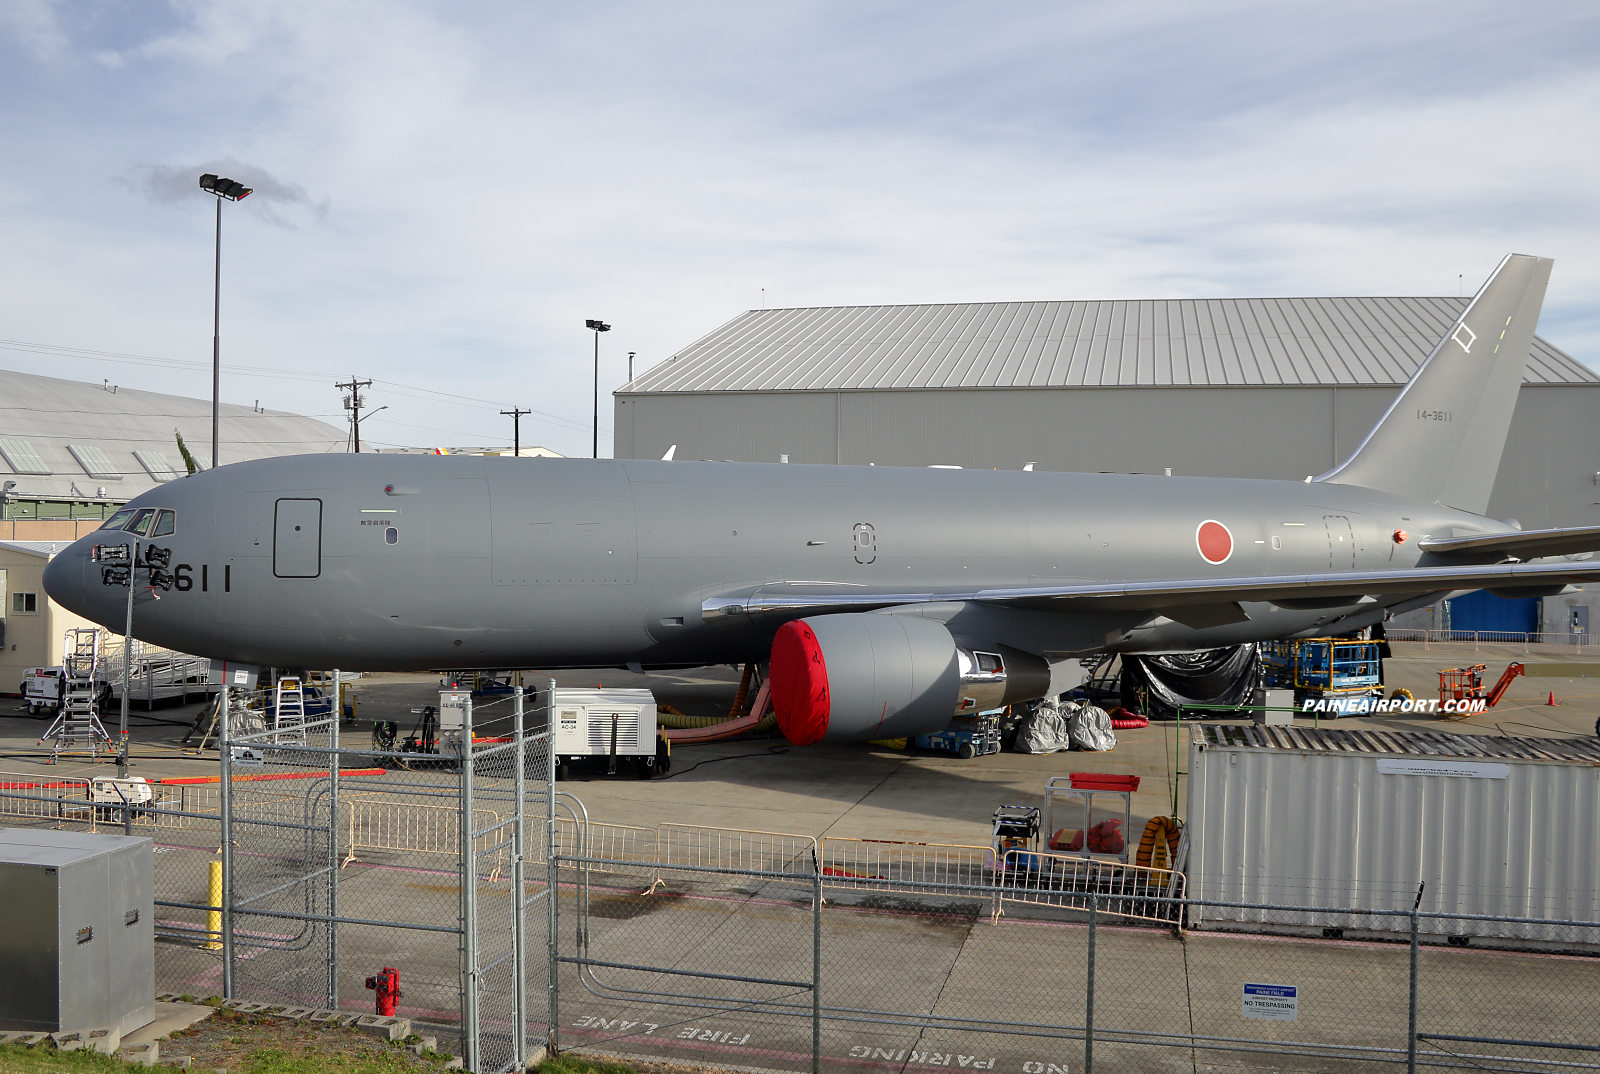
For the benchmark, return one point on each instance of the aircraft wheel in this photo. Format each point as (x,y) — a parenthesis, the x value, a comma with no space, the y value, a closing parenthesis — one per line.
(966,751)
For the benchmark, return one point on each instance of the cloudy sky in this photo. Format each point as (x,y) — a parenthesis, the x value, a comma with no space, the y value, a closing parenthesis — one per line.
(445,192)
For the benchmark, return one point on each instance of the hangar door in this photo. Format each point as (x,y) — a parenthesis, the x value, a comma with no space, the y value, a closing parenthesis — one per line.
(297,539)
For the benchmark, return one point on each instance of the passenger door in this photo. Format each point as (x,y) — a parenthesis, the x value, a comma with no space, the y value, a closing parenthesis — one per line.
(297,539)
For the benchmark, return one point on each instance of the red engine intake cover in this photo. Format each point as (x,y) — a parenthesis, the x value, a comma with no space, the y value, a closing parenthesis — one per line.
(799,677)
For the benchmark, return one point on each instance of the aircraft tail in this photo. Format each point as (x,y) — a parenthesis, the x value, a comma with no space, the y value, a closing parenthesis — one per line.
(1442,437)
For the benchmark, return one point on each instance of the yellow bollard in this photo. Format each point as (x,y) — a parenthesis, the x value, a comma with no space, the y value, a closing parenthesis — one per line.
(214,915)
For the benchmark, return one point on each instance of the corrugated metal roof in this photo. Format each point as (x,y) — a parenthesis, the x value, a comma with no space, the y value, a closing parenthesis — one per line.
(42,549)
(1189,342)
(46,415)
(1405,743)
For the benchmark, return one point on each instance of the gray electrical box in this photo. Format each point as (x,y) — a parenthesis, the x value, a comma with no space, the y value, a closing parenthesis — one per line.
(77,947)
(1274,699)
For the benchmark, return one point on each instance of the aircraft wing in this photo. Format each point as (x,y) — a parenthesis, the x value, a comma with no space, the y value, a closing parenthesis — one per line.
(791,600)
(1524,544)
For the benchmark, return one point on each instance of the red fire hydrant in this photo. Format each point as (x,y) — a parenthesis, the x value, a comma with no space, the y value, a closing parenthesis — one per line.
(387,986)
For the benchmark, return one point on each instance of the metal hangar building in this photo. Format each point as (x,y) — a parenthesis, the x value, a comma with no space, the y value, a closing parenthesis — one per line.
(71,453)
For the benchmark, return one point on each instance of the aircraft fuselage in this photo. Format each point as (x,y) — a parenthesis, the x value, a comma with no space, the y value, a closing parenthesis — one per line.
(429,562)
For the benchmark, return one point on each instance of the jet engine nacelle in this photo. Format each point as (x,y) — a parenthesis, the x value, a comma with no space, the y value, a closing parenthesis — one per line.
(858,677)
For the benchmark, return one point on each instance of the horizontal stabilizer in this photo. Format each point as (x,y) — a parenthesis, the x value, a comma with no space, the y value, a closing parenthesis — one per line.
(1524,544)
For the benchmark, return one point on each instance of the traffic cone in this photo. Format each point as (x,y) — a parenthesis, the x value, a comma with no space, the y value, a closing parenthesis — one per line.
(1552,700)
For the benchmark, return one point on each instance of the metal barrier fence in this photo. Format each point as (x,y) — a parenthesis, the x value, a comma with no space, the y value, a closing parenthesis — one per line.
(1487,637)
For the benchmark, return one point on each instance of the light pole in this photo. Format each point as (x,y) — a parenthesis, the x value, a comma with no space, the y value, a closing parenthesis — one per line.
(516,428)
(225,190)
(598,327)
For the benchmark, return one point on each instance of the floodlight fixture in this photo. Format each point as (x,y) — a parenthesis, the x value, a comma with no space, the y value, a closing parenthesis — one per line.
(231,189)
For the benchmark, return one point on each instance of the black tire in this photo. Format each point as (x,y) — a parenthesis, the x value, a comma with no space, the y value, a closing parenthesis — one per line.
(563,772)
(645,767)
(966,751)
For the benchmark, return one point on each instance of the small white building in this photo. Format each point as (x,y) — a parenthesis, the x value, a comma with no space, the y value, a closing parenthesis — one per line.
(32,625)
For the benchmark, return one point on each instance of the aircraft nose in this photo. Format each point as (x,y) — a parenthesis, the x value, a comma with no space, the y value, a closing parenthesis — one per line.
(73,582)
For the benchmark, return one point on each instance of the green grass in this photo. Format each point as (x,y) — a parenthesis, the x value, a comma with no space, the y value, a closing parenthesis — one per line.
(572,1064)
(46,1060)
(15,1060)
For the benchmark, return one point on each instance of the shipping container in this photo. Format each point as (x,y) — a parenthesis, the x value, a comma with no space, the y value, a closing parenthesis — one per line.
(1473,824)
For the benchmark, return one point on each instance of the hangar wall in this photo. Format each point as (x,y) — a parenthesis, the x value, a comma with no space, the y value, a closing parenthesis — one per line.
(1547,476)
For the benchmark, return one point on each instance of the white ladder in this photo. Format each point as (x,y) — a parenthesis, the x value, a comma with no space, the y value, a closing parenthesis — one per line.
(289,712)
(77,722)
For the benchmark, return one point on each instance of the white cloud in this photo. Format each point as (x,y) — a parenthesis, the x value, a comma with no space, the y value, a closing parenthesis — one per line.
(500,175)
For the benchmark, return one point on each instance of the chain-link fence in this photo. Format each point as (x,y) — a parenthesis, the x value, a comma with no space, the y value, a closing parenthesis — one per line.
(315,865)
(312,865)
(852,955)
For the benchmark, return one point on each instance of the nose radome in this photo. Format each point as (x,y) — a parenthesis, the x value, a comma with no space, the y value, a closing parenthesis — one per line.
(66,580)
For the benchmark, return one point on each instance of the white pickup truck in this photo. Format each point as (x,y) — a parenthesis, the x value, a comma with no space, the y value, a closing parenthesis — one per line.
(42,690)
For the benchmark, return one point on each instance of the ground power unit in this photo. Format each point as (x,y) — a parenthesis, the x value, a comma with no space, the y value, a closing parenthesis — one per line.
(611,731)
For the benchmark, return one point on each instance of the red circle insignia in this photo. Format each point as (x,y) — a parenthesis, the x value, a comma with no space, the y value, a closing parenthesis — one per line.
(1214,541)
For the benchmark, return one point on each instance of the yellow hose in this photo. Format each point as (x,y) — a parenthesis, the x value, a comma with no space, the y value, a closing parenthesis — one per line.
(744,689)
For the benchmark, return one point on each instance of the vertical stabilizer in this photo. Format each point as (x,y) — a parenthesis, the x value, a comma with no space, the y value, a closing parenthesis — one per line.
(1442,437)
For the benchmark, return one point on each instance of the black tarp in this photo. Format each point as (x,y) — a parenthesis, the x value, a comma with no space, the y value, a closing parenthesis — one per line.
(1229,676)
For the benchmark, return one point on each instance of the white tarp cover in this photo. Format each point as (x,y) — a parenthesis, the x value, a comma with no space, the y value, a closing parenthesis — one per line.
(1044,730)
(1089,728)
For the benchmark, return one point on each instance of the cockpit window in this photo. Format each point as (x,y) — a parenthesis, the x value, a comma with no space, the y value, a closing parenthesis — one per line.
(166,522)
(118,520)
(141,522)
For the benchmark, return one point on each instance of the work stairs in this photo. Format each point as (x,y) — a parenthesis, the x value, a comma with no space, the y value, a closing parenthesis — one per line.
(289,712)
(78,725)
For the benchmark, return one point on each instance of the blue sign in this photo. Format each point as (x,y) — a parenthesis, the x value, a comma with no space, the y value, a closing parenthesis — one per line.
(1278,1002)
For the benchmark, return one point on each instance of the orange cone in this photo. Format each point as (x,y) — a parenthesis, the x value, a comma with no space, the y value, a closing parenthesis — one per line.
(1552,700)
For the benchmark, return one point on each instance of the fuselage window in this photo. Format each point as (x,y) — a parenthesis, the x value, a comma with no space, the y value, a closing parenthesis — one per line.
(118,520)
(165,524)
(141,522)
(391,536)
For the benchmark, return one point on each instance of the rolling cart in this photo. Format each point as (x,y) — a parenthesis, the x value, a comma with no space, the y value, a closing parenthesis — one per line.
(966,737)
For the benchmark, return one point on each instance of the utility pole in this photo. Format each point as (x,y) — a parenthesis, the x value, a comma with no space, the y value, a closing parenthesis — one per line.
(353,403)
(516,429)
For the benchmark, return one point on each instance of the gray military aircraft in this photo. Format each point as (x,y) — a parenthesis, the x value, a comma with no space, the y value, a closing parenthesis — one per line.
(887,599)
